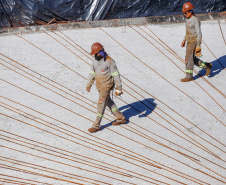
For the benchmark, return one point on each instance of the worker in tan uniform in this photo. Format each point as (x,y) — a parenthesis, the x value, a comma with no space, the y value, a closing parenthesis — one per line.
(105,72)
(193,38)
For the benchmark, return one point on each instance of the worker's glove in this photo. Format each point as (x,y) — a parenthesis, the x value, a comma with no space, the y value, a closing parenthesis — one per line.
(198,52)
(118,92)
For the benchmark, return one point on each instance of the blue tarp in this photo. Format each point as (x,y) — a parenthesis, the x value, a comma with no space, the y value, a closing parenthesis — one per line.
(31,12)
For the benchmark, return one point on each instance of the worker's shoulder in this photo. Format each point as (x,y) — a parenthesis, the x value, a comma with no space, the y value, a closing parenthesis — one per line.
(195,18)
(110,60)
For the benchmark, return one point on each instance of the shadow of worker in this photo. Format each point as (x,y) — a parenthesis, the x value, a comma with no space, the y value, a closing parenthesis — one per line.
(217,66)
(141,108)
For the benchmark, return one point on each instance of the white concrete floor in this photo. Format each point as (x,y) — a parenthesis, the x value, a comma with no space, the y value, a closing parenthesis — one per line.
(42,123)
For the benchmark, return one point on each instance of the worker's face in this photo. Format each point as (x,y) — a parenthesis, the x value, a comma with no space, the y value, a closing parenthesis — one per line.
(98,57)
(187,14)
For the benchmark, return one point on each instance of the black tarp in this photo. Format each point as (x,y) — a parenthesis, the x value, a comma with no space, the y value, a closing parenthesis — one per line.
(31,12)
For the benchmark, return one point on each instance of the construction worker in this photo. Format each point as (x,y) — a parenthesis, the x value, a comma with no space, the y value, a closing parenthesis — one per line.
(106,74)
(193,37)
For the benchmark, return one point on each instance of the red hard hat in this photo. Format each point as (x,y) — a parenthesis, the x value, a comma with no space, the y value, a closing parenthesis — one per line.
(187,6)
(95,48)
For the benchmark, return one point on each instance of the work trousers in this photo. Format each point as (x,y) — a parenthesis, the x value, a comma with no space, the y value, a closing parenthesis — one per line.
(105,100)
(191,60)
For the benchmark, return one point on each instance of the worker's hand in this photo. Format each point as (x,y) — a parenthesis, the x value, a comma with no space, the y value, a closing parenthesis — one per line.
(198,50)
(88,89)
(118,92)
(183,43)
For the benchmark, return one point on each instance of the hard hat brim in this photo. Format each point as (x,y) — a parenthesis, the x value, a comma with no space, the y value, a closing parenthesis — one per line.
(92,53)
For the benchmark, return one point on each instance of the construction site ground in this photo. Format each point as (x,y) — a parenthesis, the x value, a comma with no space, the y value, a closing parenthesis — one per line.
(175,133)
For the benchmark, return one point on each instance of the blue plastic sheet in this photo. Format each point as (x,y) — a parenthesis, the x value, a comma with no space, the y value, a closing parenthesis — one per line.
(15,13)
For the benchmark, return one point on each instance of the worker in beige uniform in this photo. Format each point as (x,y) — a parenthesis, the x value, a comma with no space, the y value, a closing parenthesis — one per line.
(106,74)
(193,37)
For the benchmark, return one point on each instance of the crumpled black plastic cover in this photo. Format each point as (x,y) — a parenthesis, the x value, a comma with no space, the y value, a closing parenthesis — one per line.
(14,13)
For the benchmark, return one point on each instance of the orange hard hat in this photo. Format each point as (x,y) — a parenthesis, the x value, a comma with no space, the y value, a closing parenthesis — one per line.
(187,6)
(95,48)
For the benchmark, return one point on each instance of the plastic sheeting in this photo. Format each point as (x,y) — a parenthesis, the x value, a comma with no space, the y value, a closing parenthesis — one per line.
(15,13)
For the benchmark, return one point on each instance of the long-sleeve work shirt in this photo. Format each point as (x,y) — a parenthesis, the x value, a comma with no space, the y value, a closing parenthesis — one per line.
(193,30)
(105,73)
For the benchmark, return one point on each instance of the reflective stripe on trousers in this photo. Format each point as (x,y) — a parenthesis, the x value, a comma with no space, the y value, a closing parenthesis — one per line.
(105,100)
(191,59)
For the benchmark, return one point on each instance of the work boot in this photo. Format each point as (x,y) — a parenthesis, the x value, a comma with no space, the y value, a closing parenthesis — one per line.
(189,76)
(186,79)
(208,68)
(119,122)
(93,130)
